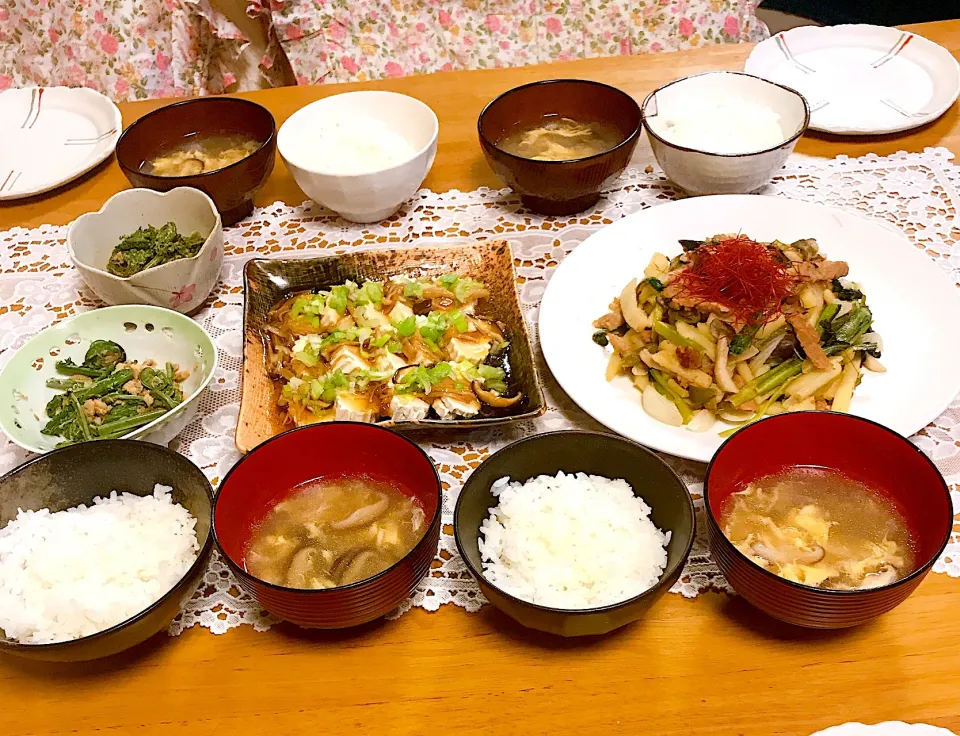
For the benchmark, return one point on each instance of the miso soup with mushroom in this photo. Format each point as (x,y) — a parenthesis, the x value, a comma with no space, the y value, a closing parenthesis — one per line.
(333,532)
(199,154)
(819,528)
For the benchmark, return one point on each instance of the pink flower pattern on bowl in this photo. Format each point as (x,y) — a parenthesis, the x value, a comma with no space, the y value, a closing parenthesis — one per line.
(183,296)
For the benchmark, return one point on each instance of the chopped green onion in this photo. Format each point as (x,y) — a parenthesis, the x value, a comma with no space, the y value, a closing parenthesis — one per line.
(407,327)
(448,280)
(413,290)
(459,321)
(338,299)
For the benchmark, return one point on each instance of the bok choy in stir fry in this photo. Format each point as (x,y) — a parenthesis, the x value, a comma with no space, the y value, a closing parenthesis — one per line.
(108,396)
(404,350)
(738,330)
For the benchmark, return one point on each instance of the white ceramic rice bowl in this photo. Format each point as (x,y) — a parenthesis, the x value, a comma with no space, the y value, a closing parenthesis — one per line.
(701,172)
(371,196)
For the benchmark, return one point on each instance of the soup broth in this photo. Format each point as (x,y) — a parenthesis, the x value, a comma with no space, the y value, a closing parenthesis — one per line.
(199,154)
(819,528)
(334,532)
(557,138)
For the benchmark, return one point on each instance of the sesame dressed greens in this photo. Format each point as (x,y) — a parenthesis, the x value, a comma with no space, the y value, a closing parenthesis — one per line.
(152,246)
(108,396)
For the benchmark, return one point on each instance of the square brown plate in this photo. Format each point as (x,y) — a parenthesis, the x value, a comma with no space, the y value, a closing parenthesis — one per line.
(268,281)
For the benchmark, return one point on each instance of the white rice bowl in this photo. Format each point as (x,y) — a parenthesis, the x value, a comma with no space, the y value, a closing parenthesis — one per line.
(571,542)
(77,572)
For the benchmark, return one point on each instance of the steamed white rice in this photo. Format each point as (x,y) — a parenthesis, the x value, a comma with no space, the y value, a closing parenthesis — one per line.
(83,570)
(573,541)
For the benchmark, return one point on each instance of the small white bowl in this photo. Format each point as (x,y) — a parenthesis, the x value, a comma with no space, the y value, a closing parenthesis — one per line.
(703,172)
(182,285)
(373,195)
(144,332)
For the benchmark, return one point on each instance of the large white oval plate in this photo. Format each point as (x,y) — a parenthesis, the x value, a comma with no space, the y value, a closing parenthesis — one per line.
(52,135)
(861,79)
(915,310)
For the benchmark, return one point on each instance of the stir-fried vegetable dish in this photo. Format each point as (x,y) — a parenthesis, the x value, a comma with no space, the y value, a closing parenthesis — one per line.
(107,396)
(150,246)
(736,329)
(404,349)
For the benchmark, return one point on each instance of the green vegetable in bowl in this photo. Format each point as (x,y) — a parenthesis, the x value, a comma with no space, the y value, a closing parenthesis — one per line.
(104,355)
(107,396)
(151,246)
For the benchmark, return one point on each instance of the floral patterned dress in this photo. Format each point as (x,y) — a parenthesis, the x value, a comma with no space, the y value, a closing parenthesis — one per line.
(354,40)
(126,49)
(136,49)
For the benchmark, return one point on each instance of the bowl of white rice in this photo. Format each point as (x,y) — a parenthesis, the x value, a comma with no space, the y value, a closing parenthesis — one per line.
(723,132)
(574,533)
(100,544)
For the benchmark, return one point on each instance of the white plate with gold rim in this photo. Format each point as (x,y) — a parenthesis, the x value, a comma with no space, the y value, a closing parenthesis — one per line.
(861,79)
(51,136)
(913,304)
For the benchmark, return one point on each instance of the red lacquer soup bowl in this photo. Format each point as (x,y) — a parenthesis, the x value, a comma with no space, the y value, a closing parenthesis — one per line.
(336,449)
(857,448)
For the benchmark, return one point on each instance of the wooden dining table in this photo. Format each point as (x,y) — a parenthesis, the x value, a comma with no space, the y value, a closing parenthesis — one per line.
(711,665)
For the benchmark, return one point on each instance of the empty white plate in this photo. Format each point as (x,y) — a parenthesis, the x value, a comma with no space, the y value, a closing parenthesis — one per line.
(861,79)
(52,135)
(914,308)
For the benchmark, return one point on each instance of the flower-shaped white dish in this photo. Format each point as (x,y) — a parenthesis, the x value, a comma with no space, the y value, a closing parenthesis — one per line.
(888,728)
(143,332)
(52,135)
(183,284)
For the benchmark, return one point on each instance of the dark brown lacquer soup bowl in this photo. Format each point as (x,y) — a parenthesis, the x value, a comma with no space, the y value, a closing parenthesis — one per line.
(232,187)
(565,186)
(858,449)
(269,473)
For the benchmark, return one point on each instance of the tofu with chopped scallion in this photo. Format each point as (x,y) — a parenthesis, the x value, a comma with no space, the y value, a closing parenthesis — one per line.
(405,350)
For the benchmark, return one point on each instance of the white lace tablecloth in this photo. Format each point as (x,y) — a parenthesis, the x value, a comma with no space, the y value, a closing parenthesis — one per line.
(916,193)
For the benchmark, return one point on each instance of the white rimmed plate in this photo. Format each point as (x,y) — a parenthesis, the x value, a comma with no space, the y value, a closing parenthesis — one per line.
(861,79)
(914,309)
(52,135)
(888,728)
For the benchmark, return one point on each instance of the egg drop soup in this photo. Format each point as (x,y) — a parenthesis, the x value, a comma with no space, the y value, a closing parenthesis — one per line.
(556,138)
(819,528)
